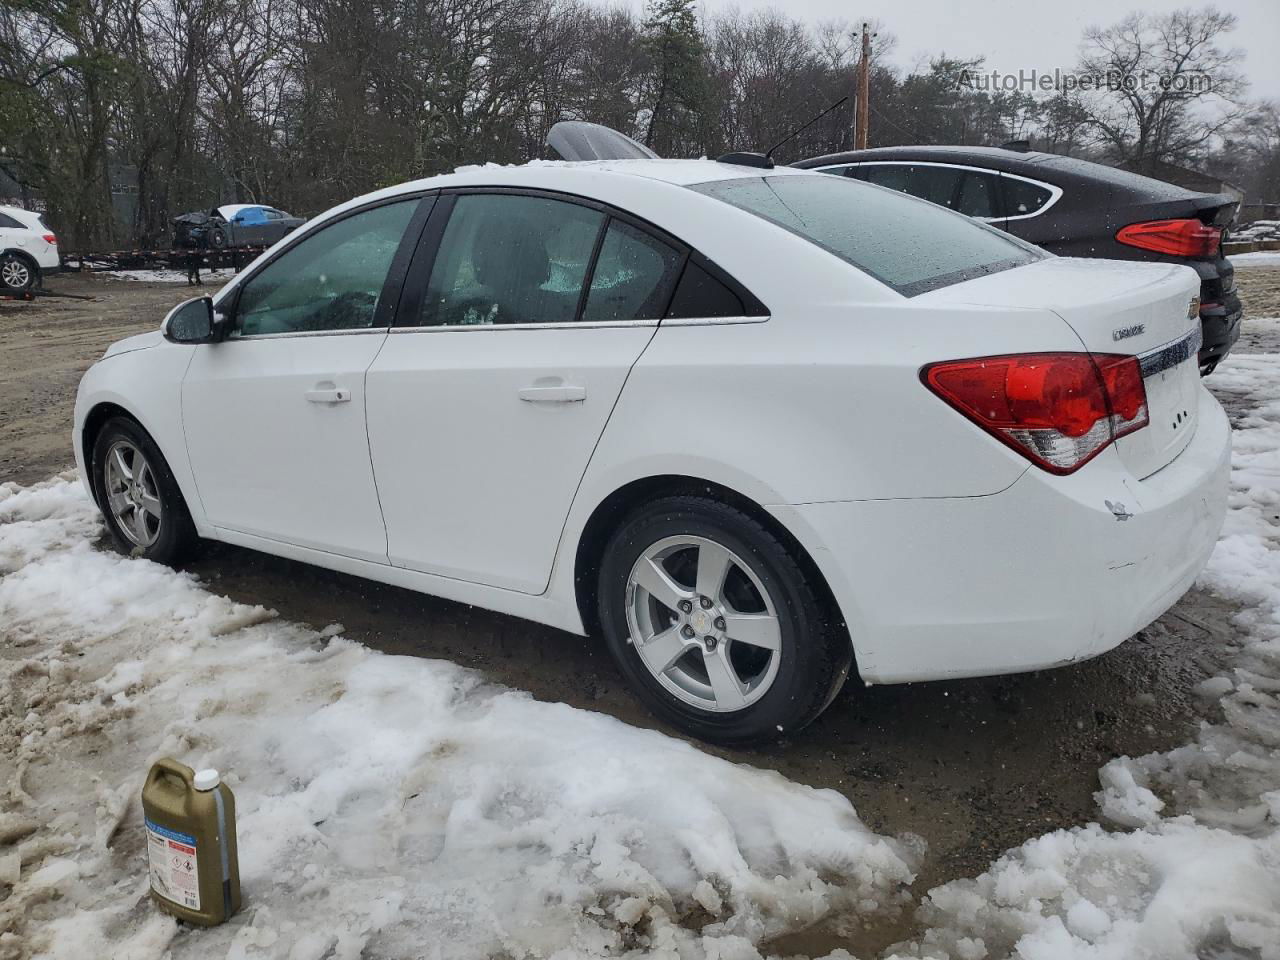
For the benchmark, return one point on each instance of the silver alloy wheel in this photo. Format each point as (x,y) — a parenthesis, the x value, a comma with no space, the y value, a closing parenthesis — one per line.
(15,274)
(132,494)
(703,623)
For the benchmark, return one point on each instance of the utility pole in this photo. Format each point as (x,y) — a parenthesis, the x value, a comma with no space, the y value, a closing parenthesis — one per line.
(863,115)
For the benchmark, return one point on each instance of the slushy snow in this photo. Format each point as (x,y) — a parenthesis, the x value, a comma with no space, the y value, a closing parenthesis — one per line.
(387,806)
(1258,258)
(167,276)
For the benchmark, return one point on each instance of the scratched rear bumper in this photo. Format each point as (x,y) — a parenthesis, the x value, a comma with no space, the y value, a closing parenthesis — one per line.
(1050,571)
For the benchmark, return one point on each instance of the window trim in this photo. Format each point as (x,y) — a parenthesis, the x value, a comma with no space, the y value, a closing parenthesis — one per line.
(1054,190)
(392,286)
(424,258)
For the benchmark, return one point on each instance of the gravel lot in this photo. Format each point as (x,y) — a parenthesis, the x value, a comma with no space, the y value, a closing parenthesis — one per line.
(974,767)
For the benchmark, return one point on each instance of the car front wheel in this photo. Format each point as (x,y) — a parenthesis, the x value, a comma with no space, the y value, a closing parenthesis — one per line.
(140,500)
(716,624)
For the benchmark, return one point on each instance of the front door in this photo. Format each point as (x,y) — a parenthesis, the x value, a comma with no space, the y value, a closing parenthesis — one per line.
(486,404)
(274,414)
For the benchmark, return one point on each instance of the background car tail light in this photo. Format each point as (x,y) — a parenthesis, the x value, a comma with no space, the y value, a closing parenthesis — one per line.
(1058,410)
(1179,238)
(50,239)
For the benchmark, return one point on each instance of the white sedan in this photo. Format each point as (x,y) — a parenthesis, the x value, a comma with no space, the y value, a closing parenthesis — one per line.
(757,427)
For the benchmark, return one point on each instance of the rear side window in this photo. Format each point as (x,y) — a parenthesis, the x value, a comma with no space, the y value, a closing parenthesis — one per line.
(633,276)
(893,176)
(511,259)
(8,223)
(700,295)
(979,195)
(908,245)
(1022,198)
(936,184)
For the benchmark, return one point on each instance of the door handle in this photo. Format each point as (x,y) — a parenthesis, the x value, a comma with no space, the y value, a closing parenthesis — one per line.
(330,395)
(560,393)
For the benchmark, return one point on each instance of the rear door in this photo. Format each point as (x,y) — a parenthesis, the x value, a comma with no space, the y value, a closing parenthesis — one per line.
(523,317)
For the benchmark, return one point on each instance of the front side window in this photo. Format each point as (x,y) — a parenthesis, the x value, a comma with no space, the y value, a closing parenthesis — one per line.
(508,259)
(908,245)
(329,281)
(633,276)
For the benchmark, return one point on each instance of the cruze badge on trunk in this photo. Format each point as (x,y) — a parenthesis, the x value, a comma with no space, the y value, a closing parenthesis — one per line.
(1124,333)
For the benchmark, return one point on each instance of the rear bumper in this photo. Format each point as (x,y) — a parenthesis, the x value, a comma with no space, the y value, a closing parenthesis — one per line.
(1041,574)
(1221,325)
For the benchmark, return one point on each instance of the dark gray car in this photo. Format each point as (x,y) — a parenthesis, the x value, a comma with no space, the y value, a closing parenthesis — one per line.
(248,225)
(1073,208)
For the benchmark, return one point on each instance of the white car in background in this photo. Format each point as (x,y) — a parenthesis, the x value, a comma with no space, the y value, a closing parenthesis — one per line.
(28,250)
(758,427)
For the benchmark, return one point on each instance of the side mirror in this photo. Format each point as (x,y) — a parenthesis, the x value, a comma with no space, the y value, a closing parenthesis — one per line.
(194,322)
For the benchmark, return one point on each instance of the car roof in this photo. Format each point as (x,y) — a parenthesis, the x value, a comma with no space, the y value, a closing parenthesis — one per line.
(29,217)
(229,210)
(1050,167)
(677,172)
(985,156)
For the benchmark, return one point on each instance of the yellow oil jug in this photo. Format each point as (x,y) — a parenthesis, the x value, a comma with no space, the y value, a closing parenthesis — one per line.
(190,820)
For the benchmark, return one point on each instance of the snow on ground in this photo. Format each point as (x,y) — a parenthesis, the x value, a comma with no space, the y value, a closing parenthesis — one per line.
(1259,258)
(1196,871)
(387,806)
(166,276)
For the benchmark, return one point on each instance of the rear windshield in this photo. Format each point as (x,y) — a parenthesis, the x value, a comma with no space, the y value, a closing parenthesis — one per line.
(908,244)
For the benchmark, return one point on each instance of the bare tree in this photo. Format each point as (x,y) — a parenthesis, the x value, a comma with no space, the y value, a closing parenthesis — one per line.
(1170,87)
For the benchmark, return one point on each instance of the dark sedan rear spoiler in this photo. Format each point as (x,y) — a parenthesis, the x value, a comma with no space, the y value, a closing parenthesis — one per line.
(1221,205)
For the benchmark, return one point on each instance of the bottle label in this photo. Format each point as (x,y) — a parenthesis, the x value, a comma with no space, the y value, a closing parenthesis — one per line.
(175,871)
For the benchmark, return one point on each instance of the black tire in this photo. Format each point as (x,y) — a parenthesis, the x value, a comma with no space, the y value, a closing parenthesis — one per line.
(18,274)
(175,534)
(217,238)
(815,654)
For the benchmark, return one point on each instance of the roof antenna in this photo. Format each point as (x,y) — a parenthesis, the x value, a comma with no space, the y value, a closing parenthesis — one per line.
(765,160)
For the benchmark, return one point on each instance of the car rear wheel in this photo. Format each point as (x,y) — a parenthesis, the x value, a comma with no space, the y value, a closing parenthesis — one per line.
(17,275)
(716,625)
(140,500)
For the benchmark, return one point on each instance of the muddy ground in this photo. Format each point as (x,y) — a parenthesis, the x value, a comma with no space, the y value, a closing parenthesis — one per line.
(974,767)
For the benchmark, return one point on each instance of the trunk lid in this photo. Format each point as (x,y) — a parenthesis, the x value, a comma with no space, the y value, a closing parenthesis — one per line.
(1138,309)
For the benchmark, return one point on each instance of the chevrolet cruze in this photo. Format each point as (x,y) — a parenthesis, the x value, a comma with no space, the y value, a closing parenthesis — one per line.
(756,427)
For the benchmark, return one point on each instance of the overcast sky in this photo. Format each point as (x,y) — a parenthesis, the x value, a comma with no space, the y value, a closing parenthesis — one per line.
(1026,34)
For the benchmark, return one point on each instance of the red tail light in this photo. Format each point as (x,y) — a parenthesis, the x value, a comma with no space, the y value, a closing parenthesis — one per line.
(1059,410)
(1178,238)
(50,239)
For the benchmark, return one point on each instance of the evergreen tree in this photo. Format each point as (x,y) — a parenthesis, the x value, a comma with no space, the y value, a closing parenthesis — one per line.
(676,50)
